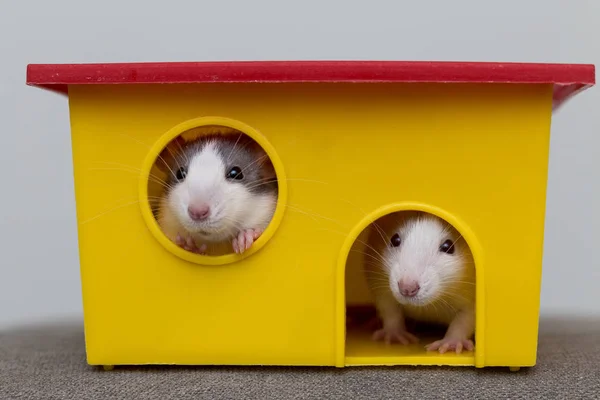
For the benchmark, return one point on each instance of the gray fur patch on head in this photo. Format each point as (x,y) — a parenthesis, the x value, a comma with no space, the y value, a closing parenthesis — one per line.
(236,150)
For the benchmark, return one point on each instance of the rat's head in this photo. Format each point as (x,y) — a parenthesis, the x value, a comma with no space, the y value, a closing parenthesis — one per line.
(217,182)
(424,256)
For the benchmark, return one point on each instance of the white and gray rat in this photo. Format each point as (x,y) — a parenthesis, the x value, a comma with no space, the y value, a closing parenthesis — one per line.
(220,195)
(420,267)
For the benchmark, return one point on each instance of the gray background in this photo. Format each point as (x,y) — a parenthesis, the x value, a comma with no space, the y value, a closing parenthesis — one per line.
(39,271)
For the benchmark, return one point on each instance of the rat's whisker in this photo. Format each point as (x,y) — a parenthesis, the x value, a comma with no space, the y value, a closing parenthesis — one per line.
(254,162)
(109,211)
(234,146)
(312,214)
(149,147)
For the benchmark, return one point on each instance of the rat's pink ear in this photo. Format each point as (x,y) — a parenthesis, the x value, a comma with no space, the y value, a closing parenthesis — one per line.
(169,156)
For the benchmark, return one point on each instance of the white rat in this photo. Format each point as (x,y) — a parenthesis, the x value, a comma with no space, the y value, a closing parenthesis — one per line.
(420,267)
(220,195)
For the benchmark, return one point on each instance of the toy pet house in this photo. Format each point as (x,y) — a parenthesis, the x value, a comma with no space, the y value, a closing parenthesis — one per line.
(350,142)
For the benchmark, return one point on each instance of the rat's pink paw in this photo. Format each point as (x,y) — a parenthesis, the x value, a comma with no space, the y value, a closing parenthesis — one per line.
(450,344)
(244,240)
(188,243)
(390,335)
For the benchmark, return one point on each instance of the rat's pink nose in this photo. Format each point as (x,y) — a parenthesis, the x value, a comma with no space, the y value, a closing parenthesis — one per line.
(408,288)
(198,212)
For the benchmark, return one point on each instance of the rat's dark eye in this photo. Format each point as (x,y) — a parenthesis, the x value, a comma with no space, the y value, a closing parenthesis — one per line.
(235,173)
(181,173)
(395,240)
(447,247)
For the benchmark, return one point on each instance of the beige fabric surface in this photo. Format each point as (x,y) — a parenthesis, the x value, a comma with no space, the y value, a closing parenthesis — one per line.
(48,362)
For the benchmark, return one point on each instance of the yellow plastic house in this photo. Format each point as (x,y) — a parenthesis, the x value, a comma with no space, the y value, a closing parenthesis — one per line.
(350,142)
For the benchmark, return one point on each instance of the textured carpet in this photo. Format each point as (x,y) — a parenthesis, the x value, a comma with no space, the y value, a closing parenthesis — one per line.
(48,362)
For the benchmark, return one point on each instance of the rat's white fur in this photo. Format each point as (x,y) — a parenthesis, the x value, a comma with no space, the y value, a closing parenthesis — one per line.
(233,208)
(447,281)
(418,259)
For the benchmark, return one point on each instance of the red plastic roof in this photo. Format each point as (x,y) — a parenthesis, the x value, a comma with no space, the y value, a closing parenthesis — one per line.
(568,79)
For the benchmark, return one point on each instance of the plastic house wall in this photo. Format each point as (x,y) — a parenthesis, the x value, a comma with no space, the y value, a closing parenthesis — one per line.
(350,141)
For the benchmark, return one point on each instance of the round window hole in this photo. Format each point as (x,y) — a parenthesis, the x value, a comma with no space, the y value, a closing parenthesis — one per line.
(213,190)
